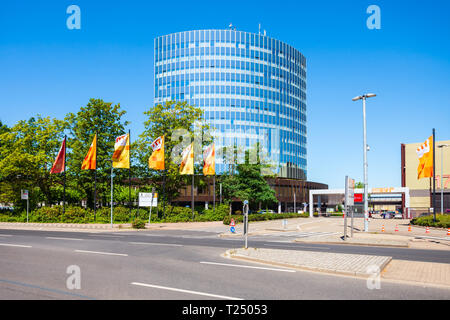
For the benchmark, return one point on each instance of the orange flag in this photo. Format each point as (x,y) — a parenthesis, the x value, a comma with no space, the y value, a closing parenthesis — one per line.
(187,162)
(59,164)
(90,161)
(121,155)
(156,160)
(209,160)
(425,154)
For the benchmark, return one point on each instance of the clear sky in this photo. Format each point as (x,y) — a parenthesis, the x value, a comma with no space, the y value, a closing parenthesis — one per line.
(48,69)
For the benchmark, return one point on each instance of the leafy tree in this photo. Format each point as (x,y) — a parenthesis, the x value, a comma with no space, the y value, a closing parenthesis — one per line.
(248,183)
(27,153)
(359,185)
(179,123)
(105,119)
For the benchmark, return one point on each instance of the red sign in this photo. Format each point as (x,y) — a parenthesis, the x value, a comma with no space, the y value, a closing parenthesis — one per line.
(232,224)
(358,197)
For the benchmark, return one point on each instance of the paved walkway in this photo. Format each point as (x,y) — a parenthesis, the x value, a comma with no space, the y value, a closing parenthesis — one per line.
(106,227)
(412,272)
(350,264)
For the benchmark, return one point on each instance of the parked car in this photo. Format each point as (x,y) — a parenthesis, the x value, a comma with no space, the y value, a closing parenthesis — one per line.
(265,211)
(398,215)
(388,214)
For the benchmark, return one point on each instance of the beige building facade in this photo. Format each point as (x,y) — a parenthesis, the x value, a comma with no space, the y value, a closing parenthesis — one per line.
(421,189)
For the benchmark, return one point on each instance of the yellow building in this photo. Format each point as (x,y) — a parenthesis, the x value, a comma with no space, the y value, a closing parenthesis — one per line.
(421,189)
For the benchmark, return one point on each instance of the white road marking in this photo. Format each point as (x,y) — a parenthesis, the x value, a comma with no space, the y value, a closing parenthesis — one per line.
(14,245)
(243,266)
(104,235)
(185,291)
(106,253)
(57,238)
(158,244)
(294,246)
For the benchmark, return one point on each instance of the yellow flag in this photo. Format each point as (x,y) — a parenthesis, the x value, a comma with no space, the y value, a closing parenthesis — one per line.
(209,160)
(187,162)
(90,161)
(121,156)
(425,154)
(156,160)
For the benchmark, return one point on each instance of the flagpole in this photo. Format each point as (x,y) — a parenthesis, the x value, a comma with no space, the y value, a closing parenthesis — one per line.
(192,192)
(434,176)
(112,191)
(129,170)
(95,180)
(64,192)
(214,194)
(164,194)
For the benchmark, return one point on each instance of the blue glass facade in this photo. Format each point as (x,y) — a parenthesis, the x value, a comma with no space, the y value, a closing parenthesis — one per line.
(252,89)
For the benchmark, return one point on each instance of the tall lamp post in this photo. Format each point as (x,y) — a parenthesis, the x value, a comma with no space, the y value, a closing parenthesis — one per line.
(365,148)
(442,146)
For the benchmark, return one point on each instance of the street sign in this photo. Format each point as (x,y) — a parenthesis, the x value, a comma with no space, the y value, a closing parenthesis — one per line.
(24,194)
(358,197)
(148,199)
(232,226)
(350,192)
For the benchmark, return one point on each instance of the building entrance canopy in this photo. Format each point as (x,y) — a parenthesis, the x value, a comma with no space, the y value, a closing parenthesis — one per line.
(372,191)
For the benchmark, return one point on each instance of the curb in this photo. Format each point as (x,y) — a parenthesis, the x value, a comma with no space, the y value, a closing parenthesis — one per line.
(356,243)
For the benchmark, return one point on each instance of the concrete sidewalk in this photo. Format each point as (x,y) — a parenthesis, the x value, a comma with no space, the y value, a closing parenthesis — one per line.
(410,272)
(106,227)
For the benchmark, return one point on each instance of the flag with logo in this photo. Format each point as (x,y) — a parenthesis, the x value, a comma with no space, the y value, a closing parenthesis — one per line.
(90,161)
(209,160)
(425,154)
(59,164)
(156,160)
(121,156)
(187,162)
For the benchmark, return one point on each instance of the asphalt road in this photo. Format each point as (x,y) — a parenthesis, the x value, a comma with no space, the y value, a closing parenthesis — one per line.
(179,265)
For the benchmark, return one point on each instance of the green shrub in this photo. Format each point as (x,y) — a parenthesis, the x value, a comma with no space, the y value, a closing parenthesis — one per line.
(209,215)
(75,215)
(263,217)
(138,224)
(442,221)
(46,214)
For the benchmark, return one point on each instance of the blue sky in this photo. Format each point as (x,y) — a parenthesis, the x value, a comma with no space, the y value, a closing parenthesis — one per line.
(48,69)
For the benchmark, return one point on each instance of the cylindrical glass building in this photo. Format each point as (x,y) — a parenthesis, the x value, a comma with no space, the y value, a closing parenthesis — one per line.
(252,89)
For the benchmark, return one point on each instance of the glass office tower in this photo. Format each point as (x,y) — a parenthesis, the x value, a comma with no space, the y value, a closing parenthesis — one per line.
(251,88)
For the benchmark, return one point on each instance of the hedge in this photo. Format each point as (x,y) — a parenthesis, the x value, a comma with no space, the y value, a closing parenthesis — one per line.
(74,214)
(442,221)
(263,217)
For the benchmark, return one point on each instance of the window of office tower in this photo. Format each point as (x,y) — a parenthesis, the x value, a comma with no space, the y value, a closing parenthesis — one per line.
(251,88)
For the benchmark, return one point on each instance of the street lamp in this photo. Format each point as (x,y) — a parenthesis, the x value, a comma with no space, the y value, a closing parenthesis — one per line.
(442,146)
(365,148)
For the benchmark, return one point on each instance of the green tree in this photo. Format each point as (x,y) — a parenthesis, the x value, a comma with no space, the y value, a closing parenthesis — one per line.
(248,183)
(28,150)
(359,185)
(179,123)
(105,119)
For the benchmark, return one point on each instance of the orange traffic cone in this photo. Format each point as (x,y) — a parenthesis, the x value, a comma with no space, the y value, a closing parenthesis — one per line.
(448,231)
(409,228)
(396,228)
(427,230)
(382,228)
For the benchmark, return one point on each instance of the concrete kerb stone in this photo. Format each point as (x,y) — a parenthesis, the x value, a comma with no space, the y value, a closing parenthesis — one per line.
(354,243)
